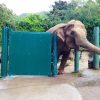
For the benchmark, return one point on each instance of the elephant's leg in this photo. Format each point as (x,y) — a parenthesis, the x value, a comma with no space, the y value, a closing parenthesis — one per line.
(63,62)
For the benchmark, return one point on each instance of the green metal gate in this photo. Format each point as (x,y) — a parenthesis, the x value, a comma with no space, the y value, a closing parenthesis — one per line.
(28,53)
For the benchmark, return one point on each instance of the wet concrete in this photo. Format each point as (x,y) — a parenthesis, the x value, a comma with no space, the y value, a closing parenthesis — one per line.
(90,92)
(37,88)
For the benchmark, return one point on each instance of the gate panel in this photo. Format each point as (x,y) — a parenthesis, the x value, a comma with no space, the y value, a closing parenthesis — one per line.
(30,53)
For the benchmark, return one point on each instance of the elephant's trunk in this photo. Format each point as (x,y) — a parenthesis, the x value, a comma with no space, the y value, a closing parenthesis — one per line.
(90,46)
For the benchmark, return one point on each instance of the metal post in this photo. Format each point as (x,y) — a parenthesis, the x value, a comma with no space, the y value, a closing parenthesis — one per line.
(76,60)
(54,72)
(96,42)
(4,56)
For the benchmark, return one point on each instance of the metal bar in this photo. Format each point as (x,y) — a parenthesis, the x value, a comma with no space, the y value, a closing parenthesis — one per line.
(4,55)
(54,72)
(76,60)
(96,42)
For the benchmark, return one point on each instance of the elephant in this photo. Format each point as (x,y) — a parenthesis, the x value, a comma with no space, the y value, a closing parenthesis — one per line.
(71,35)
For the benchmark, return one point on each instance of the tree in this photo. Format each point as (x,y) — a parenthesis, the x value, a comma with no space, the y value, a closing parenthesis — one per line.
(62,11)
(6,17)
(30,22)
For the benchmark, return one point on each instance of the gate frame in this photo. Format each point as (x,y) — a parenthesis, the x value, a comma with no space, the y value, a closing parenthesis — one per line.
(5,53)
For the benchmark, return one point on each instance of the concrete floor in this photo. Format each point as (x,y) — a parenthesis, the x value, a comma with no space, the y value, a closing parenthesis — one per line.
(90,92)
(48,88)
(37,88)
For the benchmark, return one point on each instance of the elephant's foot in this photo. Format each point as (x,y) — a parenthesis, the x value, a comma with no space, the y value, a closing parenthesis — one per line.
(60,71)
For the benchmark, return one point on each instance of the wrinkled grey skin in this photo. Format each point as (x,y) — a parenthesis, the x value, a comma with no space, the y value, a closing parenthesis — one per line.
(71,35)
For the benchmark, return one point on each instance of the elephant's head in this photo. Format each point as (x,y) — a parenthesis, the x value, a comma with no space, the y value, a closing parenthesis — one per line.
(74,33)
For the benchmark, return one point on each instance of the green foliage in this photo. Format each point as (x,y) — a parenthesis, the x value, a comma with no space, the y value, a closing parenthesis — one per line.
(30,22)
(6,17)
(62,11)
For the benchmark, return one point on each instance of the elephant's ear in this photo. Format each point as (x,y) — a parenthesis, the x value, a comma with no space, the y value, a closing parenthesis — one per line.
(68,27)
(59,30)
(60,34)
(63,30)
(56,27)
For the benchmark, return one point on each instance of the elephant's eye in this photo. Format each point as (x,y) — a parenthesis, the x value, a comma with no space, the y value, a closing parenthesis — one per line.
(73,33)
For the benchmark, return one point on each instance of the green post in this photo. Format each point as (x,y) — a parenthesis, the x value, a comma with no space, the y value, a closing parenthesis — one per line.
(54,72)
(96,42)
(4,55)
(76,60)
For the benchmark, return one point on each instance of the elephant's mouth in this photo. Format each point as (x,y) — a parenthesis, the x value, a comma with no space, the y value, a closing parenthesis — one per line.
(71,43)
